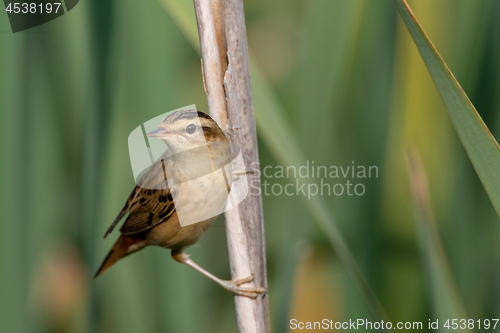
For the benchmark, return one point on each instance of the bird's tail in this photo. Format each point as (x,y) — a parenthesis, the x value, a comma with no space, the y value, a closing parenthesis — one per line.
(124,246)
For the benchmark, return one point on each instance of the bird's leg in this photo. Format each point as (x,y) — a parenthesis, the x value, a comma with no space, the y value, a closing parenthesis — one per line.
(233,286)
(238,173)
(241,172)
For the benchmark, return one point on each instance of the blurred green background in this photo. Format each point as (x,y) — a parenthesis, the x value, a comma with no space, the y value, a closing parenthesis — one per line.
(349,85)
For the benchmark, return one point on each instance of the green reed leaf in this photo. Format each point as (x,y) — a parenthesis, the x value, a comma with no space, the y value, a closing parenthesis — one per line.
(481,146)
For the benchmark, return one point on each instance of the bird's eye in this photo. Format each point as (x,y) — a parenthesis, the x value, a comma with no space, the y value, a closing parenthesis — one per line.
(191,129)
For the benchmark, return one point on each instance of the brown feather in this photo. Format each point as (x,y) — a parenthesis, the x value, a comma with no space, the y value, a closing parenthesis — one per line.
(124,246)
(128,205)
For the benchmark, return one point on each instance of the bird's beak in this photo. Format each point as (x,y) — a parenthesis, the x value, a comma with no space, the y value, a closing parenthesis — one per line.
(158,133)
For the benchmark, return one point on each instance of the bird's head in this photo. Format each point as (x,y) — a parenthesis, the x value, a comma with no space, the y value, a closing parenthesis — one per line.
(187,129)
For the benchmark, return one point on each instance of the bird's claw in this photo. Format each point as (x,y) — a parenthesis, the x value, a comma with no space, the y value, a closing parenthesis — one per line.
(234,286)
(238,173)
(229,132)
(248,279)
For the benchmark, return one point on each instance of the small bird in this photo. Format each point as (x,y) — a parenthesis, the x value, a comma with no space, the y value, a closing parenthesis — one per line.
(173,190)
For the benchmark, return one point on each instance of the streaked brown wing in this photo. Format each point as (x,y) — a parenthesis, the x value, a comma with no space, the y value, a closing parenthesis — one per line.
(125,210)
(151,208)
(149,204)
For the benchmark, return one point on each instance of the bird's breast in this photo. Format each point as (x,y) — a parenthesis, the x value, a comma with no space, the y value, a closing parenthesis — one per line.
(200,198)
